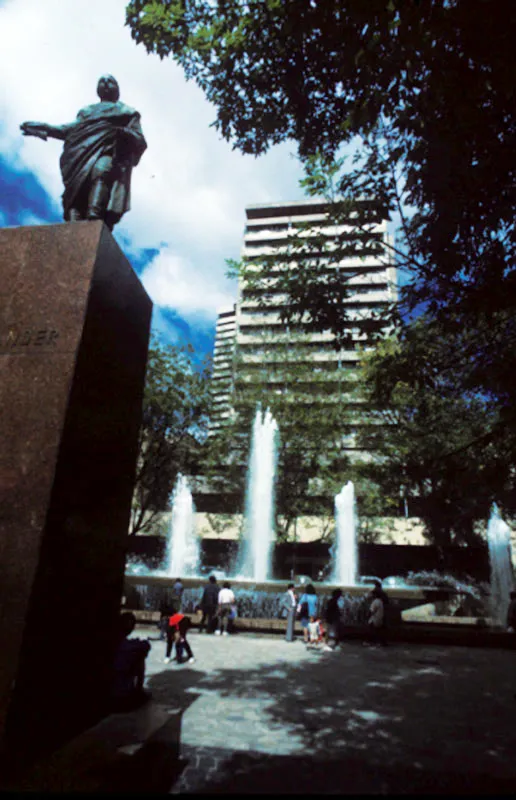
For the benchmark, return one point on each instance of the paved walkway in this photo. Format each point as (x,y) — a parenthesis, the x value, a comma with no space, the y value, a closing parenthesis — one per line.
(256,714)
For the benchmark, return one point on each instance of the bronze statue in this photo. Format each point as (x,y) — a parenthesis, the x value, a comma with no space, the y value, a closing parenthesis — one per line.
(100,149)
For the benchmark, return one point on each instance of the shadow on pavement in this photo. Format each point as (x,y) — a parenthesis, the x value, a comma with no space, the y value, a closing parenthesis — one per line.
(257,774)
(361,723)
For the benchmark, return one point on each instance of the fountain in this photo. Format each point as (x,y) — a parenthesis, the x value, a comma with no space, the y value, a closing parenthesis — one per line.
(345,567)
(182,548)
(255,555)
(182,557)
(257,595)
(500,562)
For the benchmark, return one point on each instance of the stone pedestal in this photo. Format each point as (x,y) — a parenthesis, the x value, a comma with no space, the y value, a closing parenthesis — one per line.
(74,327)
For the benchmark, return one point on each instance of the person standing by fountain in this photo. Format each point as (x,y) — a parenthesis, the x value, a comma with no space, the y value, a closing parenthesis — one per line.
(289,604)
(177,591)
(166,609)
(377,622)
(511,613)
(307,608)
(226,601)
(333,620)
(208,605)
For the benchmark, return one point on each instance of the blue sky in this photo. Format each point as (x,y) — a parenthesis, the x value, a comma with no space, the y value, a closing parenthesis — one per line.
(190,189)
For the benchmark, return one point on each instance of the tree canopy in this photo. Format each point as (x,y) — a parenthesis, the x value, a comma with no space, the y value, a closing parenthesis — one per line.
(427,91)
(444,448)
(172,431)
(428,87)
(312,424)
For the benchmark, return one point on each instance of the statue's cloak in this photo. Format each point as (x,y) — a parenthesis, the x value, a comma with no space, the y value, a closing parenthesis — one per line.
(97,132)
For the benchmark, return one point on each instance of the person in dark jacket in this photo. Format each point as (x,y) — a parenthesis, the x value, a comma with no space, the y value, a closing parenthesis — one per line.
(166,609)
(177,595)
(377,622)
(332,617)
(511,613)
(129,667)
(208,606)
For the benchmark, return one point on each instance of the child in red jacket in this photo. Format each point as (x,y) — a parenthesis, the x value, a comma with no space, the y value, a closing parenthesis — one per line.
(178,626)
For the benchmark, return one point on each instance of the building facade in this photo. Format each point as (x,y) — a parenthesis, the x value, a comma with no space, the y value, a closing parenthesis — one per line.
(260,359)
(222,381)
(257,355)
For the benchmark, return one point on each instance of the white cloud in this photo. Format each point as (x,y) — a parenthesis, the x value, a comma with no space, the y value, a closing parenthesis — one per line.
(190,189)
(172,281)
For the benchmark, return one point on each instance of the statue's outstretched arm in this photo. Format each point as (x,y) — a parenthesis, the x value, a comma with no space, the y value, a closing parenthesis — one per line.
(42,130)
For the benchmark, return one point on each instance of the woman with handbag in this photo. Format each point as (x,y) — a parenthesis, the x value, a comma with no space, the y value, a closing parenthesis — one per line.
(307,608)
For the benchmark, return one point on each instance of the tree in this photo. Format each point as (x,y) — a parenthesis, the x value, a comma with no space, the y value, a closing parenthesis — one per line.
(312,424)
(444,447)
(428,89)
(173,428)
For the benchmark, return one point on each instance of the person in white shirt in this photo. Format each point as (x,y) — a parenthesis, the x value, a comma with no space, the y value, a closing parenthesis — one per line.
(315,632)
(226,602)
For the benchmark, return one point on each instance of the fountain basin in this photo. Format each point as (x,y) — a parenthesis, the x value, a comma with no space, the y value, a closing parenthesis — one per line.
(143,594)
(148,591)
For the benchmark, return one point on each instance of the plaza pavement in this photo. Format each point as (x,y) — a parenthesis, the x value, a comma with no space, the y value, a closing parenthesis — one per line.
(255,714)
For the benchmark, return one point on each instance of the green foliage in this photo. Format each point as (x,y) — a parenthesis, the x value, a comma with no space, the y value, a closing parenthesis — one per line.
(427,90)
(441,446)
(311,467)
(312,423)
(173,428)
(425,87)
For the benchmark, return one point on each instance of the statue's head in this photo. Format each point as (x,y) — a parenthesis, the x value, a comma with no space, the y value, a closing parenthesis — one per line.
(108,89)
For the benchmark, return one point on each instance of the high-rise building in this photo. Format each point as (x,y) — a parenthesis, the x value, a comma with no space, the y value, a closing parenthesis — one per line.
(222,380)
(255,350)
(258,357)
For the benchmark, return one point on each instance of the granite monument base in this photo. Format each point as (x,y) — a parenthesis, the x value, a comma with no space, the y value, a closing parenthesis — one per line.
(74,328)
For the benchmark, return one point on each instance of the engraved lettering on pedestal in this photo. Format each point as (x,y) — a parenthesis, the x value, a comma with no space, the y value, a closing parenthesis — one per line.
(28,338)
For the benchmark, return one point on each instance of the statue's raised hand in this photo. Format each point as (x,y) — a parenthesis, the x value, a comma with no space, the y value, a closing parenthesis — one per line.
(39,129)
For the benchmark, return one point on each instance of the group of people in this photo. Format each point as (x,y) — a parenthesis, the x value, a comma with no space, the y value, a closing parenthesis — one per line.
(129,666)
(325,633)
(218,608)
